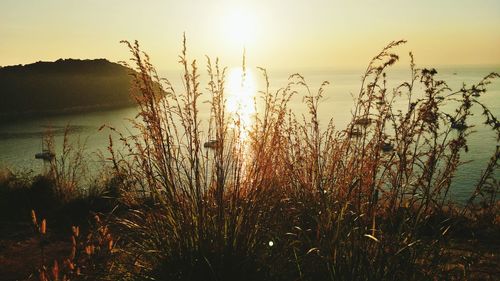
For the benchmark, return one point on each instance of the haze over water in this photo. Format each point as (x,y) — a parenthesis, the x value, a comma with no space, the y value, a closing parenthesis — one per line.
(20,140)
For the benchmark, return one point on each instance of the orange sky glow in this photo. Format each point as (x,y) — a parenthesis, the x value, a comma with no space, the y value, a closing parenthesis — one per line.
(276,34)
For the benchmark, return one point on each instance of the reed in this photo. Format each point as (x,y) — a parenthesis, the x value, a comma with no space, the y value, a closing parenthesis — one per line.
(297,199)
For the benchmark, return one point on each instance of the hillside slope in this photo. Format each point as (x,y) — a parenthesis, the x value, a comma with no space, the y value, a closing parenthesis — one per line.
(63,86)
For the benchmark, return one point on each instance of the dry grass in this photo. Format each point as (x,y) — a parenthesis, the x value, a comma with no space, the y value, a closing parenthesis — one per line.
(296,200)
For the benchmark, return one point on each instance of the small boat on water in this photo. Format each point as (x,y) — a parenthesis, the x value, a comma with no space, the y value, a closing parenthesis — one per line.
(211,144)
(46,155)
(387,147)
(364,122)
(354,133)
(459,125)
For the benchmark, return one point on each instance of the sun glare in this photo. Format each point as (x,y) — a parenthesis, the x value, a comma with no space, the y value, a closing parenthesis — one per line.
(240,101)
(240,27)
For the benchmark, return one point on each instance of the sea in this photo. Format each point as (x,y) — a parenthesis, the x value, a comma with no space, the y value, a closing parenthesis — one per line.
(21,139)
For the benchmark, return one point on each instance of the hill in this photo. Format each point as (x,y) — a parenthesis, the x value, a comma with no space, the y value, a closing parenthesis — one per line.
(63,86)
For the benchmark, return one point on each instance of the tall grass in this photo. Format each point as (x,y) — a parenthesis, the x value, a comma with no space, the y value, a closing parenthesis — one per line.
(68,169)
(296,199)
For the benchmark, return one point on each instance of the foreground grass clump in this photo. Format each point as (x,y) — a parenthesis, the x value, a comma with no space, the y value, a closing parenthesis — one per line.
(61,192)
(288,198)
(60,202)
(292,198)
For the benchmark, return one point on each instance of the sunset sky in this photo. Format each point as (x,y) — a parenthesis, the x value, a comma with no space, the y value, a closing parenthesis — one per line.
(276,34)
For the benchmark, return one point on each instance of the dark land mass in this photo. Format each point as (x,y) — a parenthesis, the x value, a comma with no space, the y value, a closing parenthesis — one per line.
(63,86)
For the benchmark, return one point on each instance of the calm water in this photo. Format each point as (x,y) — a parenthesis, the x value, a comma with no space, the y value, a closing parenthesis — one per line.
(19,141)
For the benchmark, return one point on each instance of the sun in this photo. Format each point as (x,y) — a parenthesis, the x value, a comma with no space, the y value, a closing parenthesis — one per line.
(240,27)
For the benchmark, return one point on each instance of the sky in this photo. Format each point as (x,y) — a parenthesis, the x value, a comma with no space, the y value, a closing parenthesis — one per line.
(315,34)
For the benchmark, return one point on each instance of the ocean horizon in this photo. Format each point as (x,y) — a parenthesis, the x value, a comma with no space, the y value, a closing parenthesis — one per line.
(21,139)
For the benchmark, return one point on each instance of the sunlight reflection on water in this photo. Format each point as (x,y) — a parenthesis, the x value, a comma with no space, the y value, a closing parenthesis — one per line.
(240,101)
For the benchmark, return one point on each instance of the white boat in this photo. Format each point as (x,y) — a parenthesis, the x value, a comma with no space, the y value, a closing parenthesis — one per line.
(46,155)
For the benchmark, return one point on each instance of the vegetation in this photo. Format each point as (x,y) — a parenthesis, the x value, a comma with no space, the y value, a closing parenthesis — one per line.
(290,198)
(63,86)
